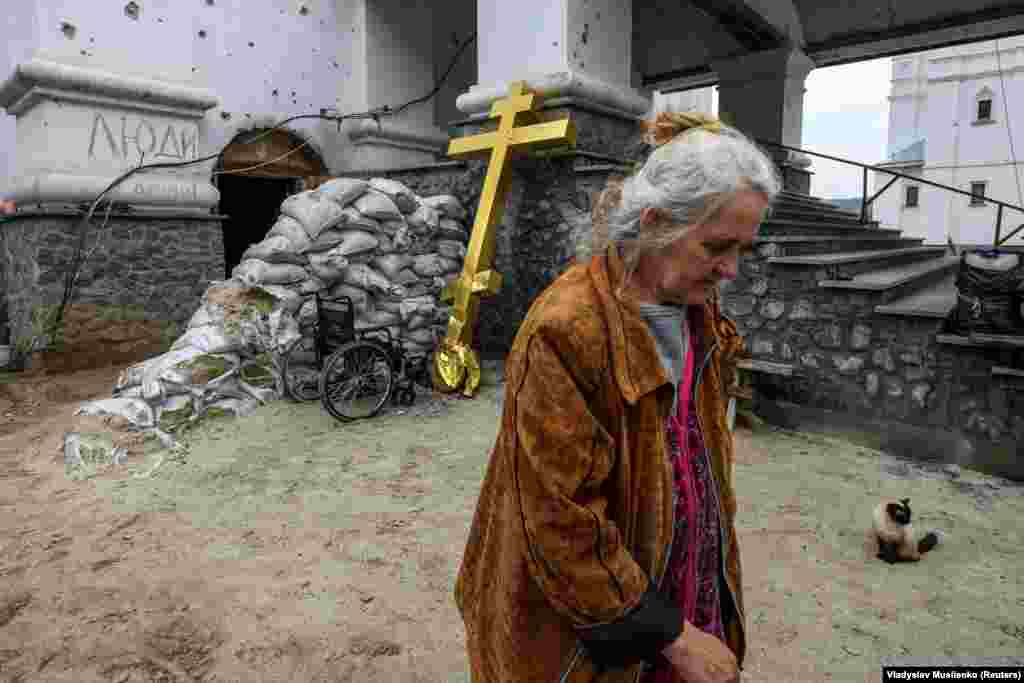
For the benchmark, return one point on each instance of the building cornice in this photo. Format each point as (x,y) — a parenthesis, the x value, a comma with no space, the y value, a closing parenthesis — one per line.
(45,79)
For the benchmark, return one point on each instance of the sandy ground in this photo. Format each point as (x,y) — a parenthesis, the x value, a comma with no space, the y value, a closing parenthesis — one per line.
(286,546)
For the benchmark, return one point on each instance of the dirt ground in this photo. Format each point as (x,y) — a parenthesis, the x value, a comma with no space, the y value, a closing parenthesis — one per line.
(286,546)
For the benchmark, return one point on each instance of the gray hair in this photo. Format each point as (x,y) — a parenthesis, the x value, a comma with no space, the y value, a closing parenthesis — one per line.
(691,177)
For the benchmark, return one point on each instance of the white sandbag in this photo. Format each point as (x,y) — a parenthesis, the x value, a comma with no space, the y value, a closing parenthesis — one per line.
(421,288)
(329,265)
(287,299)
(446,204)
(376,318)
(274,249)
(136,411)
(361,299)
(206,314)
(351,218)
(328,239)
(391,264)
(429,265)
(343,191)
(403,240)
(385,245)
(425,219)
(209,339)
(355,242)
(453,230)
(253,272)
(377,205)
(308,313)
(392,227)
(419,321)
(311,285)
(424,336)
(451,250)
(406,277)
(314,211)
(365,277)
(284,330)
(402,196)
(292,230)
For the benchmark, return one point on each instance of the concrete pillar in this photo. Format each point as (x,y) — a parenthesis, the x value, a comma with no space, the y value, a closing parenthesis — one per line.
(762,94)
(576,54)
(399,45)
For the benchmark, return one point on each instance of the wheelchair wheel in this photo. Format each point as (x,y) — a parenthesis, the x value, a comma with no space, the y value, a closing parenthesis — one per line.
(357,381)
(301,372)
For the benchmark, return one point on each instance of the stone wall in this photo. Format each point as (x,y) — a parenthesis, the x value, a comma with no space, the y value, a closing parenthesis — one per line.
(158,266)
(850,359)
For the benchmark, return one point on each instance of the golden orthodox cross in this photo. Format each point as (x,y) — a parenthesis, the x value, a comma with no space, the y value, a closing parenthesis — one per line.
(455,362)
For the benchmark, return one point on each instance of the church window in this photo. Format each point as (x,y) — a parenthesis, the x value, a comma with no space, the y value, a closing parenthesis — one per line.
(910,200)
(978,193)
(984,110)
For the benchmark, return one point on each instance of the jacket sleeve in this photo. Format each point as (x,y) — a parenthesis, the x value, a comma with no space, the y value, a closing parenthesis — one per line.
(575,551)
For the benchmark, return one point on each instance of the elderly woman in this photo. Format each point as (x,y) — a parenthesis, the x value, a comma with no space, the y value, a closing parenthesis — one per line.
(603,548)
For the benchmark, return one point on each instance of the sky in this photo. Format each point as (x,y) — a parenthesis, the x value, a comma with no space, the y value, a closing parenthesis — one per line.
(846,114)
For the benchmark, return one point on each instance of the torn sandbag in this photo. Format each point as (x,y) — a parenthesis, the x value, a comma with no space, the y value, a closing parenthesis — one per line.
(391,264)
(401,195)
(274,249)
(175,413)
(207,314)
(424,220)
(315,212)
(287,299)
(136,411)
(446,204)
(284,330)
(342,191)
(207,338)
(451,249)
(377,205)
(328,265)
(356,242)
(252,272)
(292,230)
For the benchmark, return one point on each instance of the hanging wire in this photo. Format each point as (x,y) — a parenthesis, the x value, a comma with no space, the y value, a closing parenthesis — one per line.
(77,259)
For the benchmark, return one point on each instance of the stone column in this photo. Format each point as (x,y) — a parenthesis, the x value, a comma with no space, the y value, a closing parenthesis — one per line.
(576,54)
(399,48)
(762,94)
(78,129)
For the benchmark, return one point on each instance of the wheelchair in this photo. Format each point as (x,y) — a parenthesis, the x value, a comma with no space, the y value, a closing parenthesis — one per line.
(353,372)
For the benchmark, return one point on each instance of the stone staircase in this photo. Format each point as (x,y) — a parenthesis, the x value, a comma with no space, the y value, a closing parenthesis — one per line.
(850,318)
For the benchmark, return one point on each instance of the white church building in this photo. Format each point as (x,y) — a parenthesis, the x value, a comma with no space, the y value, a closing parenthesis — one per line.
(956,118)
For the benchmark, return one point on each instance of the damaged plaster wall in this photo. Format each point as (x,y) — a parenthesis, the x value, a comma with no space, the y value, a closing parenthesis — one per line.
(264,61)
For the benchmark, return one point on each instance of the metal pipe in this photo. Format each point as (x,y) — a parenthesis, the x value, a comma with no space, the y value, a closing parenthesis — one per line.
(864,199)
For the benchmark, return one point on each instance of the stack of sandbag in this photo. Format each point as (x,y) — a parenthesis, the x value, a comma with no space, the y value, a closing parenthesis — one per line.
(989,285)
(375,242)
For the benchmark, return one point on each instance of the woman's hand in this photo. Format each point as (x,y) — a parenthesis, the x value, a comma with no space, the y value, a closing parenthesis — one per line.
(702,658)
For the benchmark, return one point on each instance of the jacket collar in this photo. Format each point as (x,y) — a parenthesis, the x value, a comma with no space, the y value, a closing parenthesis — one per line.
(635,360)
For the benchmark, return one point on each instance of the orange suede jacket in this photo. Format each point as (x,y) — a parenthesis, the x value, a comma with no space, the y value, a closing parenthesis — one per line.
(573,525)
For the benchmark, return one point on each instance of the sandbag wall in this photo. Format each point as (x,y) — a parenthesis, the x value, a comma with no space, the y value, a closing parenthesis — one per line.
(375,242)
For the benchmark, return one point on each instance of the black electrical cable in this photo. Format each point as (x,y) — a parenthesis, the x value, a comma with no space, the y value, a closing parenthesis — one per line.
(375,114)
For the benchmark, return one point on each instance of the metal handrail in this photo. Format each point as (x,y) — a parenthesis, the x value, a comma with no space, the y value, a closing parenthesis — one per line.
(866,202)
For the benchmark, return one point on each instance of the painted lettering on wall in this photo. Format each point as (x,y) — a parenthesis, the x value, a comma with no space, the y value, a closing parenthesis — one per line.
(131,137)
(172,191)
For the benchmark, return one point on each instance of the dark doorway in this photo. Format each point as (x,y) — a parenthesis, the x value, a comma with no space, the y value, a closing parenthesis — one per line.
(259,170)
(252,206)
